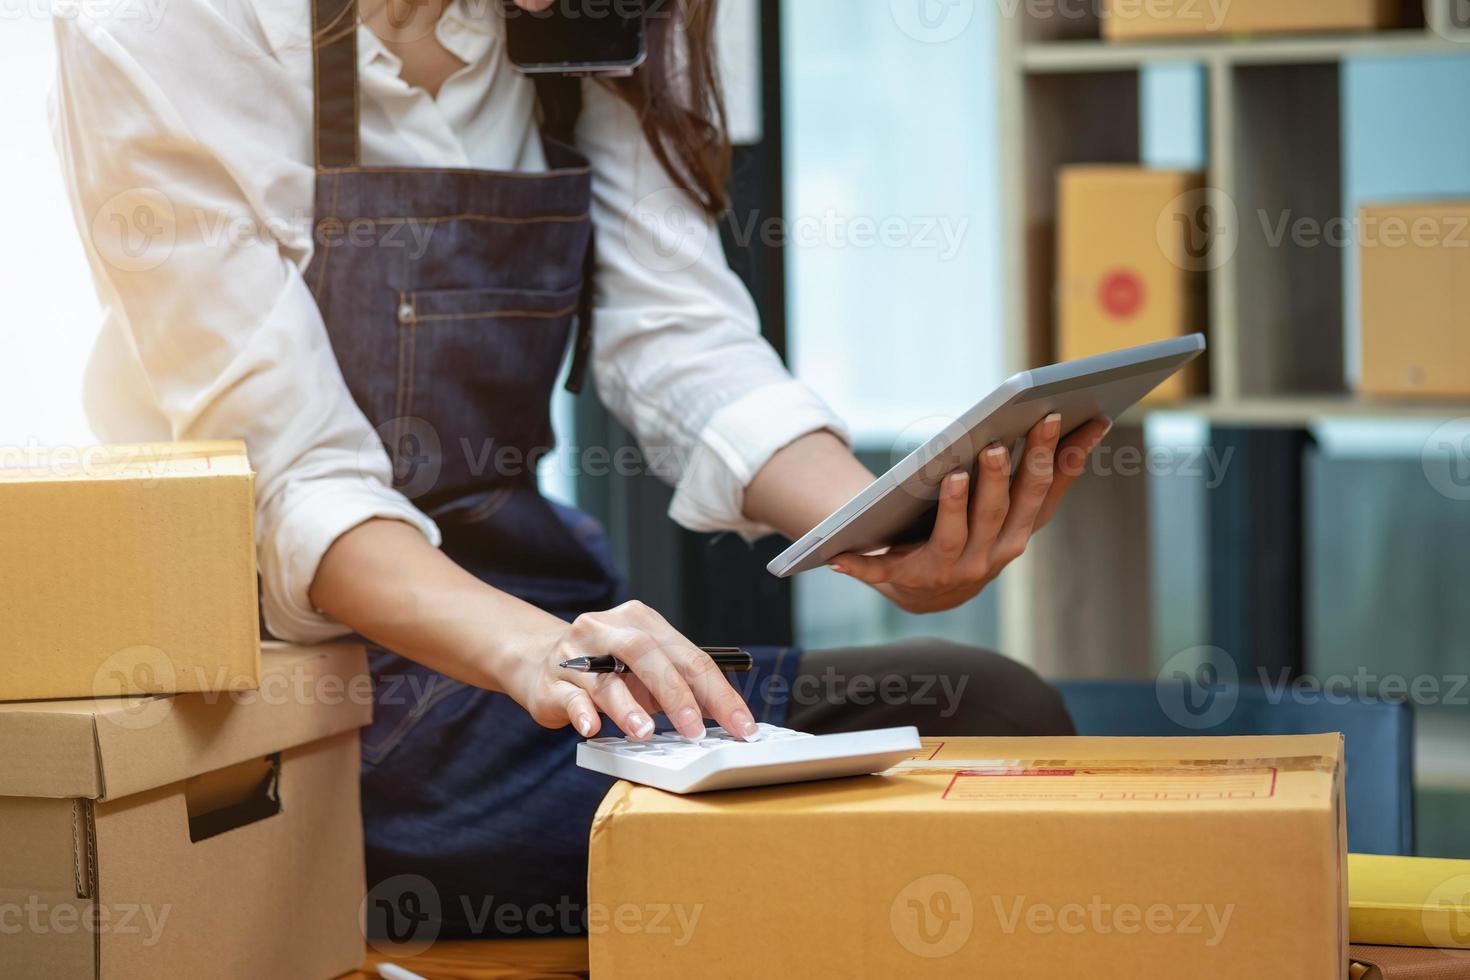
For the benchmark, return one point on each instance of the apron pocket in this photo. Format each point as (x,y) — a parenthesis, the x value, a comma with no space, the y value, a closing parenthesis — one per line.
(475,370)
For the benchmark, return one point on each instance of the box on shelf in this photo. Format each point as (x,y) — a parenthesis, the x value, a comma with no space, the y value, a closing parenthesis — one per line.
(1415,270)
(1409,901)
(1130,20)
(1067,857)
(1131,257)
(196,835)
(128,570)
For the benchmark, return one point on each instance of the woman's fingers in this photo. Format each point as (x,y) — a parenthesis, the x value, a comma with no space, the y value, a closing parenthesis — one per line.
(580,709)
(1072,463)
(612,696)
(1029,491)
(988,509)
(951,524)
(617,634)
(711,689)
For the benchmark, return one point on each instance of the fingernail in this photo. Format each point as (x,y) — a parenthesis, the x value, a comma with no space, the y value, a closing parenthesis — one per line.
(640,725)
(995,457)
(957,484)
(584,724)
(839,569)
(1052,425)
(1107,428)
(687,719)
(745,725)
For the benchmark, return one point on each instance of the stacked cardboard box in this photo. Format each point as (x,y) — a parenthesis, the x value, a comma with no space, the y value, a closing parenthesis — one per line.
(1133,245)
(1016,858)
(1129,20)
(1415,265)
(180,806)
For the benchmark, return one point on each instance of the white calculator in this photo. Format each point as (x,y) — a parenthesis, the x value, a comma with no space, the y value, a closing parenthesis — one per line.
(671,762)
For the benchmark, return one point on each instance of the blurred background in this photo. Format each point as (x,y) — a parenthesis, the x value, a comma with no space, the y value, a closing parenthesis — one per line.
(915,223)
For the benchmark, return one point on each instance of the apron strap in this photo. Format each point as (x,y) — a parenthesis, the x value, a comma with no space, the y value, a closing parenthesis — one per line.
(561,106)
(582,342)
(334,60)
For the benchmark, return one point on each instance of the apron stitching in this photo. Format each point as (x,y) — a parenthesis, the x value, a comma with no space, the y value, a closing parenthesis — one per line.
(321,272)
(508,314)
(497,174)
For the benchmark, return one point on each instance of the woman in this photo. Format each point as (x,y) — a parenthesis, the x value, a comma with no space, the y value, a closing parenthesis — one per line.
(335,233)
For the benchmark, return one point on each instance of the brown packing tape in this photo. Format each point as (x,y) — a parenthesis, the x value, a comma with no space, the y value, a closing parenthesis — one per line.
(951,767)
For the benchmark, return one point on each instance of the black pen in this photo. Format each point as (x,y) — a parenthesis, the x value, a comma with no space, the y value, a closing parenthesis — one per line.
(731,660)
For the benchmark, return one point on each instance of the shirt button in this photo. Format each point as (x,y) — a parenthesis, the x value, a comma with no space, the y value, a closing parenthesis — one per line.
(405,313)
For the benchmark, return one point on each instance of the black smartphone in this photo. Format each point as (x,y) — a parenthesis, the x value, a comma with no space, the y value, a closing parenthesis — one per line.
(577,37)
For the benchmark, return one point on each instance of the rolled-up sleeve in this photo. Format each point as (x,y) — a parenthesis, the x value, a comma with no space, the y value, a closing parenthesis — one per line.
(678,353)
(194,204)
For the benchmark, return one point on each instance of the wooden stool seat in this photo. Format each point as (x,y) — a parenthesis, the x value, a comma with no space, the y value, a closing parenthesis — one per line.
(495,959)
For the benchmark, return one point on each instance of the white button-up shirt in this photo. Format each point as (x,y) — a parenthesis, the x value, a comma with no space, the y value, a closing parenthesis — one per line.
(185,131)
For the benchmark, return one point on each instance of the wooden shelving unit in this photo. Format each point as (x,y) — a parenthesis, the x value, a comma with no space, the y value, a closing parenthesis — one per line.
(1081,601)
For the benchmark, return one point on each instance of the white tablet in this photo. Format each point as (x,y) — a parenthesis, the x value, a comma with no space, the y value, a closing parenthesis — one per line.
(899,505)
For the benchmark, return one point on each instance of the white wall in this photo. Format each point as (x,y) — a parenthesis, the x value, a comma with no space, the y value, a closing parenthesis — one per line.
(50,313)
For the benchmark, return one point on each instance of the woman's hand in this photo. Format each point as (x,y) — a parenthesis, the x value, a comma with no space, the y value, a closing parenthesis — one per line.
(978,534)
(669,674)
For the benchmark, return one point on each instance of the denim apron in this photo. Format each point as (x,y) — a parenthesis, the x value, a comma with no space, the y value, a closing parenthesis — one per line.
(451,342)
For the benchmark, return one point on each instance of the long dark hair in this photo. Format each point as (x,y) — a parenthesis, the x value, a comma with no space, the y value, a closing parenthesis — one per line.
(676,93)
(679,100)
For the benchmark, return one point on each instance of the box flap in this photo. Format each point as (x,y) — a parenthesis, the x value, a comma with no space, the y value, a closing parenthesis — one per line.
(140,461)
(107,748)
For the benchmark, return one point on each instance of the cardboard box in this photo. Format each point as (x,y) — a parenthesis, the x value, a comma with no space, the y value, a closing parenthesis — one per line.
(1409,901)
(1131,20)
(200,835)
(1415,269)
(1130,263)
(1041,858)
(128,570)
